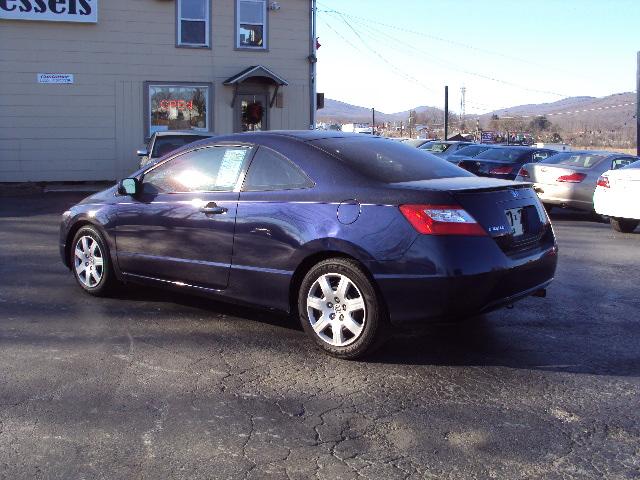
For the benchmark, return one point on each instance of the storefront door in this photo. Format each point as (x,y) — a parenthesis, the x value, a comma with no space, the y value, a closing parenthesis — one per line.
(251,113)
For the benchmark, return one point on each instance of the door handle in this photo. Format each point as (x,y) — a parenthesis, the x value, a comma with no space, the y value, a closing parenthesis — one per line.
(213,209)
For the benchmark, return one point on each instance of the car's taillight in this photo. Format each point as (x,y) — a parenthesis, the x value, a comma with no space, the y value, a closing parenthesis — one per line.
(441,220)
(501,171)
(573,178)
(524,173)
(603,182)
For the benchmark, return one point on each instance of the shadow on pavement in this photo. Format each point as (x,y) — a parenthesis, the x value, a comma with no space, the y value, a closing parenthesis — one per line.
(39,204)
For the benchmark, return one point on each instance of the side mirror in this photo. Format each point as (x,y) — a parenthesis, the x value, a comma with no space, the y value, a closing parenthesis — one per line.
(129,186)
(143,152)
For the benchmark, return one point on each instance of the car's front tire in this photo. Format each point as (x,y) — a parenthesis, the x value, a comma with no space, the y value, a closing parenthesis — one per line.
(341,310)
(624,225)
(90,262)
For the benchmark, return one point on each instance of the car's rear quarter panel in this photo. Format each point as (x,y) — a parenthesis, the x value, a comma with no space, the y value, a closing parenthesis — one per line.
(277,231)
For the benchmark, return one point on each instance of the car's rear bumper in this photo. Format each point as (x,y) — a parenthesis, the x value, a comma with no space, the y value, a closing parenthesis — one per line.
(565,195)
(615,204)
(490,281)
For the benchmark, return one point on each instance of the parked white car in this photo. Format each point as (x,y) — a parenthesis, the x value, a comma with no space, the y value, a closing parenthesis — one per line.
(617,196)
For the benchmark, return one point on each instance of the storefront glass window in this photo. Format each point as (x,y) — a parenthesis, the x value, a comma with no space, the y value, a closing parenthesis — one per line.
(175,107)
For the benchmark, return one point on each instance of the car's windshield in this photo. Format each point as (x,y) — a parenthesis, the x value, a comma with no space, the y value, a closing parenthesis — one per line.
(470,151)
(632,165)
(169,143)
(507,155)
(584,160)
(387,161)
(435,147)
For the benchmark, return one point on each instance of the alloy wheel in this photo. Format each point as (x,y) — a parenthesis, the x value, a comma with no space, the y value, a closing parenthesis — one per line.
(336,309)
(88,261)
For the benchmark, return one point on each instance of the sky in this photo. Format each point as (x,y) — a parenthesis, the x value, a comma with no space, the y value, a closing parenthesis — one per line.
(394,55)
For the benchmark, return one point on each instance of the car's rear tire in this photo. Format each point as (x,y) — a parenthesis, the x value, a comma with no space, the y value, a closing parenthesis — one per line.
(624,225)
(341,310)
(90,262)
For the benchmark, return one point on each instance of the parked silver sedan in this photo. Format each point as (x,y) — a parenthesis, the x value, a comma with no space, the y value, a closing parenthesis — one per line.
(569,179)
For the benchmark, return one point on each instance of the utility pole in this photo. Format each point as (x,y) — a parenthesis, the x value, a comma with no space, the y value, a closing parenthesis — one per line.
(463,106)
(638,107)
(313,59)
(373,124)
(446,111)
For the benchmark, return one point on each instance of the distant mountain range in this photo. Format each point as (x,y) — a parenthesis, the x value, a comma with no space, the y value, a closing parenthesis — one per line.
(335,111)
(611,112)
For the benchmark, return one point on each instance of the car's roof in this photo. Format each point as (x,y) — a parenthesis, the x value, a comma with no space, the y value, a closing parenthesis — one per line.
(519,147)
(309,135)
(296,135)
(196,133)
(248,138)
(596,152)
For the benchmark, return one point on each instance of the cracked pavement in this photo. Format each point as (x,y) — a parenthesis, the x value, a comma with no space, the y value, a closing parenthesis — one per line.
(156,384)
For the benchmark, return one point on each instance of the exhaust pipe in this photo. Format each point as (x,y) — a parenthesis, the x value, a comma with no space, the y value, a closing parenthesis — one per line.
(542,293)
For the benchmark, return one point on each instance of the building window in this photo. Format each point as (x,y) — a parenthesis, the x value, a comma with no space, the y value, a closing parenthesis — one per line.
(251,28)
(193,23)
(178,107)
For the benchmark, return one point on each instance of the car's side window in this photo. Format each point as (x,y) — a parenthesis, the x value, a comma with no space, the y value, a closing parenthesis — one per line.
(271,171)
(540,155)
(621,162)
(209,169)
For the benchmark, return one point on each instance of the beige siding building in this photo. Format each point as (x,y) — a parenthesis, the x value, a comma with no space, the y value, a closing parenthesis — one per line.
(83,83)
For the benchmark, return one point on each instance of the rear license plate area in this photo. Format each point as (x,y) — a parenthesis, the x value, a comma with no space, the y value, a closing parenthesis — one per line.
(527,229)
(514,217)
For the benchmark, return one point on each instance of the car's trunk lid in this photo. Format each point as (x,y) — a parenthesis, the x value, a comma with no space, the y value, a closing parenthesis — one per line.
(495,204)
(546,174)
(490,167)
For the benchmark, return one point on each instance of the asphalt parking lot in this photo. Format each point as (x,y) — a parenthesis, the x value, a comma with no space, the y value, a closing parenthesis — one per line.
(154,384)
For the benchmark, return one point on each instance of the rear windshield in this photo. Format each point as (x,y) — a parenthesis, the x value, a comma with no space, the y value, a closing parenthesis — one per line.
(388,161)
(470,151)
(507,155)
(437,147)
(584,160)
(169,143)
(632,165)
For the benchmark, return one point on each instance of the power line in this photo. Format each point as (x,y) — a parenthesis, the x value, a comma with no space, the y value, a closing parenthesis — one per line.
(342,36)
(445,40)
(400,72)
(373,32)
(406,76)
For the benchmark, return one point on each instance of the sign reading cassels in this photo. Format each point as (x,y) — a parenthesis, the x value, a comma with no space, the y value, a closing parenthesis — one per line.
(82,11)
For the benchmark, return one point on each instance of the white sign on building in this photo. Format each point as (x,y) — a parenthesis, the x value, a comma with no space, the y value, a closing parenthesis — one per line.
(55,78)
(81,11)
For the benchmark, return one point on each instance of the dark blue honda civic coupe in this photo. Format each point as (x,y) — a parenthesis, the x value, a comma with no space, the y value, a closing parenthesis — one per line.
(353,233)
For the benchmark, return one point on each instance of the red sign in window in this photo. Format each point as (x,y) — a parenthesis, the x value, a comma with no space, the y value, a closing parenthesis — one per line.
(179,104)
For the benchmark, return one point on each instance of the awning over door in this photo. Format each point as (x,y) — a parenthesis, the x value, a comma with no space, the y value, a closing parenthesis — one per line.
(256,74)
